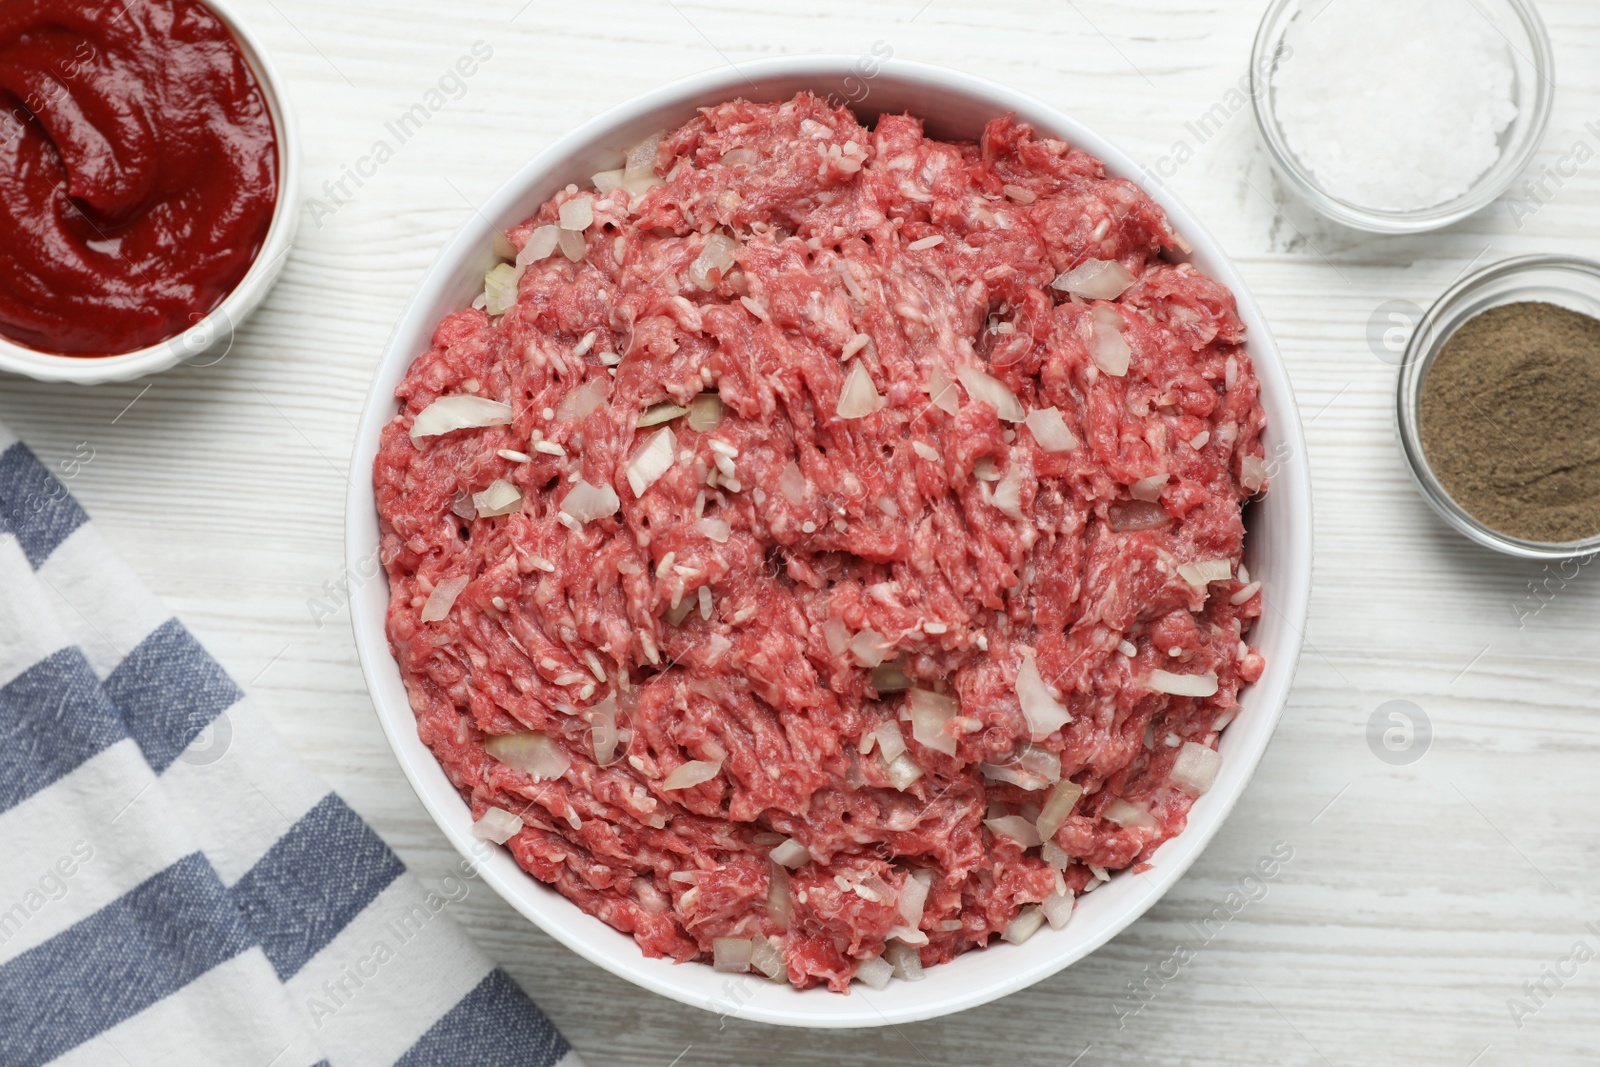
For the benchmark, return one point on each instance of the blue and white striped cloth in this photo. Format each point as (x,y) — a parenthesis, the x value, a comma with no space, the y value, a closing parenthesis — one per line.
(176,888)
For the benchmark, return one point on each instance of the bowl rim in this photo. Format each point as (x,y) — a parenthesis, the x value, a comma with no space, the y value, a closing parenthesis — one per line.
(1269,34)
(218,325)
(1432,333)
(562,919)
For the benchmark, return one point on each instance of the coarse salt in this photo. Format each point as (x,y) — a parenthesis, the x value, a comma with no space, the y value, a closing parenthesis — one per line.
(1394,106)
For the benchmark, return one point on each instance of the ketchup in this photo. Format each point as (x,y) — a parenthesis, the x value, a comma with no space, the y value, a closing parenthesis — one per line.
(138,171)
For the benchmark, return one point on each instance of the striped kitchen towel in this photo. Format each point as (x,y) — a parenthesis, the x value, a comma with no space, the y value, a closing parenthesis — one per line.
(175,887)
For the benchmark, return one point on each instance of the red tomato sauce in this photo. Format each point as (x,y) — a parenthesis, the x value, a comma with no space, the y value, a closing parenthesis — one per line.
(138,171)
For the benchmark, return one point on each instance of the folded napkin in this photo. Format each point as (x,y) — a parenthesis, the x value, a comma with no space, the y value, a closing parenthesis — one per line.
(175,886)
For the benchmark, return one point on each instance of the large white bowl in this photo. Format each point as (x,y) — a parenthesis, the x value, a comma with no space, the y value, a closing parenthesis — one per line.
(954,105)
(207,341)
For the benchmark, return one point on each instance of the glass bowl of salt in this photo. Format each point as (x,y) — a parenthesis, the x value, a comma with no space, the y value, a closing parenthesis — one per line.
(1401,117)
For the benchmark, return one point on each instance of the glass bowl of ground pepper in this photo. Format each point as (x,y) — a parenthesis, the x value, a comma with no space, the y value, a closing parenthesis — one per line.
(1499,407)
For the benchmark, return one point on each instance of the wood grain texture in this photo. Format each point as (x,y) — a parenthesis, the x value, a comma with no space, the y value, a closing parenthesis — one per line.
(1419,898)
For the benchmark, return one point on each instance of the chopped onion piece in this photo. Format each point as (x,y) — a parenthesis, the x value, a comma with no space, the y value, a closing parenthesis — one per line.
(576,214)
(713,262)
(1196,768)
(905,936)
(603,731)
(641,161)
(1203,574)
(586,502)
(890,678)
(530,753)
(731,954)
(443,597)
(985,470)
(766,956)
(906,960)
(1057,806)
(792,484)
(497,825)
(913,899)
(1008,493)
(583,400)
(903,771)
(715,529)
(1127,814)
(1107,347)
(1057,909)
(637,187)
(1017,828)
(1054,855)
(500,498)
(1025,925)
(1033,768)
(891,742)
(1138,515)
(656,414)
(463,412)
(1252,473)
(858,397)
(1095,279)
(607,181)
(1184,685)
(1012,775)
(791,853)
(1050,430)
(500,288)
(780,898)
(930,719)
(993,392)
(653,460)
(572,244)
(1149,489)
(539,245)
(692,773)
(1044,713)
(705,412)
(875,972)
(836,635)
(1041,761)
(867,648)
(942,392)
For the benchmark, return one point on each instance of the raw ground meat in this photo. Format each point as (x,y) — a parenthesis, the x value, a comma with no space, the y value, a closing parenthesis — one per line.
(727,620)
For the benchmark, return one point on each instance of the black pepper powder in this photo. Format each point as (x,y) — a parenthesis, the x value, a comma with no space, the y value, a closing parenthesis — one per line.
(1510,421)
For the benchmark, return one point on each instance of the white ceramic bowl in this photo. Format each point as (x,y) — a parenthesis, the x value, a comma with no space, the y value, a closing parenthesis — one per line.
(1278,552)
(205,342)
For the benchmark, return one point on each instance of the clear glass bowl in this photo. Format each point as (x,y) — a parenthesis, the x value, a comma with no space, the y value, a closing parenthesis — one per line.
(1533,90)
(1565,281)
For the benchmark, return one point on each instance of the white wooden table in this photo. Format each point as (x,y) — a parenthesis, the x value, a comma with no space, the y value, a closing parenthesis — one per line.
(1420,898)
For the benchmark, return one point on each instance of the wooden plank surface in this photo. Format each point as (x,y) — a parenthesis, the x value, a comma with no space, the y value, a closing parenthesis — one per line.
(1420,899)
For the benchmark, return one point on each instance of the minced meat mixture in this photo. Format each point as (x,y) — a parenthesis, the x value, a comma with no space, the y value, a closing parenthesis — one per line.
(820,550)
